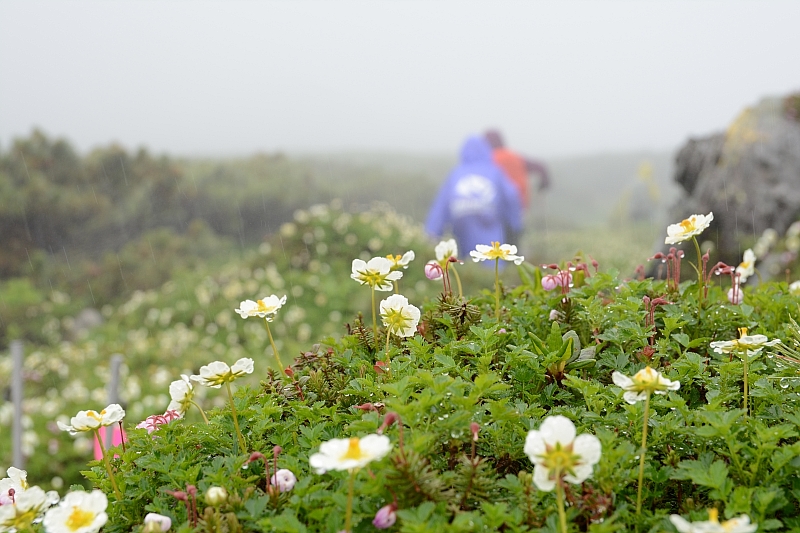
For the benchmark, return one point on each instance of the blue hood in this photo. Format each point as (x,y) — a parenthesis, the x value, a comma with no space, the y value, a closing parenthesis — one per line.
(476,150)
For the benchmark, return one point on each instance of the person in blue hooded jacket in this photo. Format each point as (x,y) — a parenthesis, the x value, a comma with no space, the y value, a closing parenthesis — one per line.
(477,200)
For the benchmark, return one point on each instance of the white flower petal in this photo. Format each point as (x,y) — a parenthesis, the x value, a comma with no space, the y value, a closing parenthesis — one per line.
(541,478)
(557,429)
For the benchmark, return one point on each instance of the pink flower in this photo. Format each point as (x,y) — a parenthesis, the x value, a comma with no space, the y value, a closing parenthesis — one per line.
(433,270)
(385,517)
(152,422)
(284,479)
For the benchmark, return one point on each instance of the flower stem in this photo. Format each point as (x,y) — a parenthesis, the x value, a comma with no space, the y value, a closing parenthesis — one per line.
(497,289)
(388,335)
(235,418)
(274,348)
(458,282)
(642,453)
(374,316)
(744,400)
(396,287)
(202,413)
(108,465)
(700,280)
(562,515)
(348,517)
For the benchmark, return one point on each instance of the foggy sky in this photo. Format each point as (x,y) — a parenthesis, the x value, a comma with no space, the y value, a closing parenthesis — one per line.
(230,78)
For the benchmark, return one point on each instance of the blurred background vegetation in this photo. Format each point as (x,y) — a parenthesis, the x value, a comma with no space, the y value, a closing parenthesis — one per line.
(102,225)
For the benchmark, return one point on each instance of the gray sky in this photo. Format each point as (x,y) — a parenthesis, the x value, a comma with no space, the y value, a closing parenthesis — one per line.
(559,78)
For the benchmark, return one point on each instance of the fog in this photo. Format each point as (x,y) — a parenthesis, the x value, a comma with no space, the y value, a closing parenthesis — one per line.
(230,78)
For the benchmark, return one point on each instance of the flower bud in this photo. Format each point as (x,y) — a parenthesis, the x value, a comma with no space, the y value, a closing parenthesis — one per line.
(554,314)
(474,428)
(735,295)
(284,479)
(549,282)
(433,270)
(390,418)
(385,517)
(216,496)
(156,523)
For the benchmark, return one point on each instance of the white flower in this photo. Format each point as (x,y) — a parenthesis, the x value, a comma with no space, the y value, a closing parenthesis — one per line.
(266,308)
(17,479)
(400,317)
(91,420)
(216,496)
(445,250)
(215,374)
(752,343)
(712,525)
(348,454)
(284,479)
(694,225)
(164,522)
(78,512)
(377,273)
(182,393)
(644,382)
(555,450)
(401,261)
(506,252)
(747,267)
(27,507)
(794,288)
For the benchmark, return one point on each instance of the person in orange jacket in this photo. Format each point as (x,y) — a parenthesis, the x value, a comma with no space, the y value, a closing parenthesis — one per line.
(517,169)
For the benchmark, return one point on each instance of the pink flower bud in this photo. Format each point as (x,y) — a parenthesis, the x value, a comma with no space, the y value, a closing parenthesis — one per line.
(390,418)
(474,428)
(433,270)
(735,295)
(549,282)
(385,517)
(284,479)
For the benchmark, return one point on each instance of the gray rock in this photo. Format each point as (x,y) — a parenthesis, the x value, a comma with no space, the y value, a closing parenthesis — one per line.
(749,176)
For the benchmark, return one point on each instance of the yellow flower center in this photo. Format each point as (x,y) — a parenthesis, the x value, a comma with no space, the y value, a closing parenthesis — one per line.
(713,514)
(93,414)
(79,518)
(687,225)
(496,252)
(372,278)
(262,307)
(353,450)
(395,320)
(560,458)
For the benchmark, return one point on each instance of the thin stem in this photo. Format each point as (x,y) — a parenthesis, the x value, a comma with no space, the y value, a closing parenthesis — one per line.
(497,289)
(642,453)
(202,413)
(562,515)
(744,401)
(374,316)
(388,335)
(396,287)
(108,465)
(700,280)
(348,517)
(458,282)
(235,418)
(274,348)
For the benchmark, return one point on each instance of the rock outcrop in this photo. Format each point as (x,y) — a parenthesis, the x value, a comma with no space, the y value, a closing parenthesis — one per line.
(749,176)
